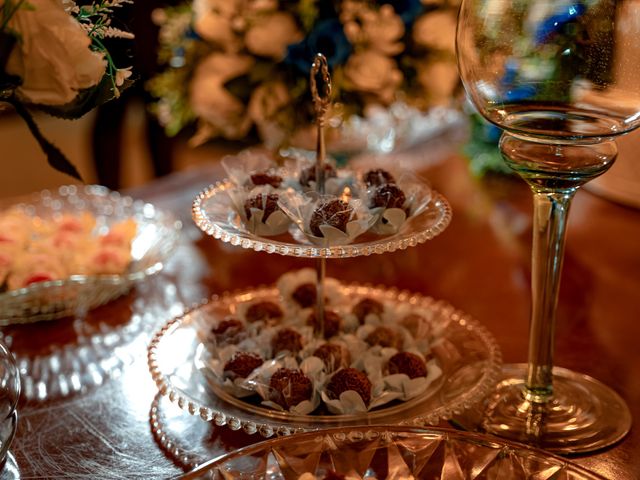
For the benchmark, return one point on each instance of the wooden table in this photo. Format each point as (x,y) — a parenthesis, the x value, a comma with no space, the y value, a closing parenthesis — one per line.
(480,264)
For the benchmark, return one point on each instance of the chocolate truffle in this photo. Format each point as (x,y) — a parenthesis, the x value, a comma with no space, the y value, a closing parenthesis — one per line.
(365,307)
(385,337)
(242,364)
(268,204)
(263,311)
(350,379)
(335,213)
(377,177)
(332,323)
(289,387)
(286,339)
(305,295)
(308,175)
(387,196)
(408,363)
(333,356)
(265,178)
(229,330)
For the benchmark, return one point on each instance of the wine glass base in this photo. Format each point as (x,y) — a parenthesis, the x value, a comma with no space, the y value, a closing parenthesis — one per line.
(583,415)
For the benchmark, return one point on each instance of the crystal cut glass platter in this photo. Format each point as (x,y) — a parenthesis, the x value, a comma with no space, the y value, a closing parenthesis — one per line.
(214,214)
(467,354)
(390,452)
(155,239)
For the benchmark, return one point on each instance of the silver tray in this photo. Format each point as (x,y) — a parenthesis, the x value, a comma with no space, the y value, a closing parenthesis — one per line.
(469,357)
(156,238)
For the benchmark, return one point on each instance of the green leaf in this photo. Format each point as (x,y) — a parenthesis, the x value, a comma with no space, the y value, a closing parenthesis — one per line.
(86,100)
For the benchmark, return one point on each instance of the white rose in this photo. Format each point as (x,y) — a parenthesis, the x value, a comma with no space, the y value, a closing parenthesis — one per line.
(266,101)
(436,30)
(384,30)
(52,56)
(373,73)
(439,79)
(271,34)
(212,102)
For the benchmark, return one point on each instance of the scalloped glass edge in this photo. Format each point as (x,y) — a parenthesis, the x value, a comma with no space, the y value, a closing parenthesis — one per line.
(278,425)
(89,291)
(407,237)
(476,452)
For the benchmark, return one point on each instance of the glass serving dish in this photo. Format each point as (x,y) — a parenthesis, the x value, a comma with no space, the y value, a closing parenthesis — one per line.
(468,356)
(156,237)
(214,214)
(389,452)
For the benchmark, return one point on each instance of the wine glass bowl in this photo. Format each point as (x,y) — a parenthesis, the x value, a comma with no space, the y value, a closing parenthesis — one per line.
(554,76)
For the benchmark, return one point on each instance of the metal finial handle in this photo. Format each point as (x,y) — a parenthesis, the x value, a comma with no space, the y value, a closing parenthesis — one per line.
(321,97)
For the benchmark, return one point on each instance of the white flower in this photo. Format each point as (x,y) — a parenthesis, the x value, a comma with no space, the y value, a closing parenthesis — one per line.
(212,102)
(380,30)
(439,79)
(436,30)
(122,74)
(214,22)
(271,34)
(373,73)
(52,58)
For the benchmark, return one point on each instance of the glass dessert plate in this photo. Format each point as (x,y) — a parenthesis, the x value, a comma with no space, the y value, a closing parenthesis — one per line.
(156,237)
(214,214)
(389,452)
(467,354)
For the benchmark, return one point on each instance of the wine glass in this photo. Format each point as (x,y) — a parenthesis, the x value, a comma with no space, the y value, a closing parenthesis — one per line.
(553,75)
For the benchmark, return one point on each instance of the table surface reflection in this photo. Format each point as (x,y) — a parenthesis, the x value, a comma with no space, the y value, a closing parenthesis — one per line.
(480,264)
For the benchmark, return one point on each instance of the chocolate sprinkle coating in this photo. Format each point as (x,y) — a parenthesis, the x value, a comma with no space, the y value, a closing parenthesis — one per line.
(332,323)
(305,295)
(264,178)
(387,196)
(242,364)
(335,213)
(268,205)
(333,356)
(289,387)
(308,175)
(349,379)
(408,363)
(376,177)
(365,307)
(263,311)
(385,337)
(286,339)
(228,330)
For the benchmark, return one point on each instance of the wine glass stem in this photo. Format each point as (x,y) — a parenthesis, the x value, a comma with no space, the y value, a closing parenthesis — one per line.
(549,226)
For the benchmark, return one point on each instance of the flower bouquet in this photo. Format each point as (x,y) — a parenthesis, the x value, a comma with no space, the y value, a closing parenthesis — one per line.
(54,58)
(240,67)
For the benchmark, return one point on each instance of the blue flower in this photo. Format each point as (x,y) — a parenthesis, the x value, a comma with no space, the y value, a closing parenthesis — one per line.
(328,38)
(407,10)
(553,24)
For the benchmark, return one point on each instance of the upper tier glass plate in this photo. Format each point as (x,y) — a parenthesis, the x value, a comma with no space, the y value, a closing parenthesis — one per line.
(214,214)
(467,354)
(156,237)
(390,453)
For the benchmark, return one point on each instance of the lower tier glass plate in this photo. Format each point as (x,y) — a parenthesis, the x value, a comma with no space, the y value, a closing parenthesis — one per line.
(468,356)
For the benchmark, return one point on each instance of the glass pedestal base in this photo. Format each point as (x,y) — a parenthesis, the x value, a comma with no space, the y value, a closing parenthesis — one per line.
(584,415)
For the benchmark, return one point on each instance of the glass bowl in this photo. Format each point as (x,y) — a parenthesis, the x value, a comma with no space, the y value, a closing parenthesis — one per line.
(155,239)
(214,214)
(9,395)
(468,356)
(389,452)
